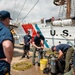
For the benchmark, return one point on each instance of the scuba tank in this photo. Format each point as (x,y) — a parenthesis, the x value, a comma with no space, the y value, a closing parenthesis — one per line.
(53,65)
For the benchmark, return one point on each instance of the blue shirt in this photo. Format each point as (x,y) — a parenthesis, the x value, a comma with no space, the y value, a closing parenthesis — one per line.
(5,34)
(27,39)
(62,47)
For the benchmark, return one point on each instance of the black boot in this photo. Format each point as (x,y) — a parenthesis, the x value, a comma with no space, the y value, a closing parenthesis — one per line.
(23,56)
(27,56)
(38,64)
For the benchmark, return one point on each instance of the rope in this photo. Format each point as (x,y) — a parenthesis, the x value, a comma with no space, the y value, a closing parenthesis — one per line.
(30,11)
(14,9)
(21,9)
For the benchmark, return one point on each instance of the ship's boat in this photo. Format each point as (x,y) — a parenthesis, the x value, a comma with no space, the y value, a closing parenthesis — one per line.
(59,2)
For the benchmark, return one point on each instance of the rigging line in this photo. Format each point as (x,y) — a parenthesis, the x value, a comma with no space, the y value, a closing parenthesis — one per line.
(74,7)
(21,9)
(15,5)
(14,9)
(30,11)
(59,11)
(14,13)
(63,11)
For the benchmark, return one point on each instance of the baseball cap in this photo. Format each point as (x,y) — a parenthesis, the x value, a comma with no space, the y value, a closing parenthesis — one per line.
(5,14)
(38,32)
(52,48)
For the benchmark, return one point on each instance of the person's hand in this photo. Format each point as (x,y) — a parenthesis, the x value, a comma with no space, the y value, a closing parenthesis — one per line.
(38,47)
(42,47)
(27,42)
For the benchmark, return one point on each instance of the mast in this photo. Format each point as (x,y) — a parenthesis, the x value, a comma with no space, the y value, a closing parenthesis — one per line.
(68,10)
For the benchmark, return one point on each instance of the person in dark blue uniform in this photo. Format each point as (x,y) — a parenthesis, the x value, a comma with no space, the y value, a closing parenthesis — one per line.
(6,43)
(64,49)
(74,63)
(26,47)
(37,43)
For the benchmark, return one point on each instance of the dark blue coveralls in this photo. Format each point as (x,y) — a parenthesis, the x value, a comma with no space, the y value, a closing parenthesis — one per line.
(26,40)
(26,46)
(5,34)
(68,52)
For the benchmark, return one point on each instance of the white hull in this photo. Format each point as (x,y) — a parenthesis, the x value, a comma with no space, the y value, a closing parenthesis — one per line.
(54,35)
(65,34)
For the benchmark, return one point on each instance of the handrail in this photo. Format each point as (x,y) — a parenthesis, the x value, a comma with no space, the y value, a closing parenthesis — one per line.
(68,41)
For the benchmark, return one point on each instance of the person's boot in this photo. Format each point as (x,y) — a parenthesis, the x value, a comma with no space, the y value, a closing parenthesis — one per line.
(38,64)
(33,63)
(23,57)
(27,56)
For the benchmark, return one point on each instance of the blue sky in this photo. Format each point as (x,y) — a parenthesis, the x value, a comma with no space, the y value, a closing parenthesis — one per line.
(19,9)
